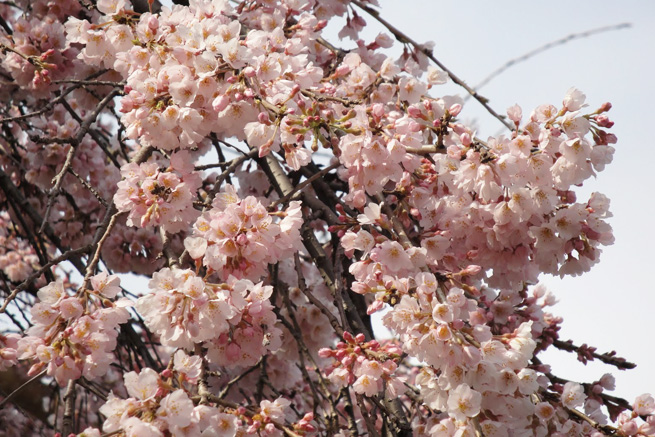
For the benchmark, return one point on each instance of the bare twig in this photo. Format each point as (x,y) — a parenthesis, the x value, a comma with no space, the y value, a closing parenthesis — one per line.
(586,353)
(303,184)
(74,144)
(546,47)
(26,283)
(25,384)
(51,104)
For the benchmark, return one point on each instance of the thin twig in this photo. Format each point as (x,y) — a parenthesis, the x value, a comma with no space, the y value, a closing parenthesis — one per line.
(302,185)
(74,144)
(51,104)
(238,378)
(25,384)
(546,47)
(26,283)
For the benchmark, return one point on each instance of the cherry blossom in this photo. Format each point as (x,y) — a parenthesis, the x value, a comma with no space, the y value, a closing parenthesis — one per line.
(275,190)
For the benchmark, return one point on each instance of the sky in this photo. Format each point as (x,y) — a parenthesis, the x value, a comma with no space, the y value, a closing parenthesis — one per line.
(612,306)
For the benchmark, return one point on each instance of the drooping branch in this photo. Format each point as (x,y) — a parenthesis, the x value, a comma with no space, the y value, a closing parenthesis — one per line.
(403,38)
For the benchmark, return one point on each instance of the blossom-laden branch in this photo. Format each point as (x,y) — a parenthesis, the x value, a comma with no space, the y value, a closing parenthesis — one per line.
(355,189)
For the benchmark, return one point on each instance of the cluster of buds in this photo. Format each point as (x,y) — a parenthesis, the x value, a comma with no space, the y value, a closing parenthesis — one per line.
(367,366)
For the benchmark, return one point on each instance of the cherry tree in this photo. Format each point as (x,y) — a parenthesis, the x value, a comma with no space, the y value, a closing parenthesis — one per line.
(276,189)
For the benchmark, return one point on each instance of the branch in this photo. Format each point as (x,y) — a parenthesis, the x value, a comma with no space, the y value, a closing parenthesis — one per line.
(302,185)
(27,282)
(586,353)
(69,408)
(22,386)
(403,38)
(74,144)
(51,104)
(546,47)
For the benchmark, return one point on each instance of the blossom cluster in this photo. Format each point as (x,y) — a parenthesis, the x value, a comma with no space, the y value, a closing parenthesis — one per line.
(366,366)
(75,335)
(505,205)
(39,51)
(239,237)
(156,407)
(190,71)
(17,259)
(234,320)
(159,197)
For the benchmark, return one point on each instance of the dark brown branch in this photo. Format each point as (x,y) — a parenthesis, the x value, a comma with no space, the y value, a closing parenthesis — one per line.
(27,282)
(586,353)
(51,104)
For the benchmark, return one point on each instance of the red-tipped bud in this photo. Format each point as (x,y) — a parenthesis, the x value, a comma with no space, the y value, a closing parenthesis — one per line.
(605,107)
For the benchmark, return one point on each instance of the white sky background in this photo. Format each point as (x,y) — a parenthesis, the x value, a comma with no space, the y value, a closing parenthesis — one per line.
(611,306)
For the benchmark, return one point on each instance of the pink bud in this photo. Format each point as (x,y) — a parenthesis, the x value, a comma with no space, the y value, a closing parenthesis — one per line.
(360,337)
(455,109)
(373,344)
(629,428)
(153,23)
(342,70)
(413,111)
(263,118)
(472,270)
(378,110)
(220,103)
(604,121)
